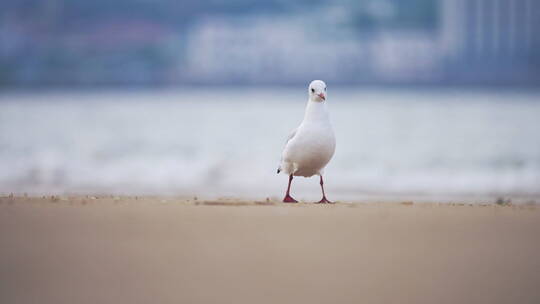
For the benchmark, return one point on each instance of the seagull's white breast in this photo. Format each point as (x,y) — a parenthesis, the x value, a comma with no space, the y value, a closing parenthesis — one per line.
(311,149)
(313,145)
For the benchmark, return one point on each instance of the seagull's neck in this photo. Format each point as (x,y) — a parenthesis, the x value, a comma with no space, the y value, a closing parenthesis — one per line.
(316,112)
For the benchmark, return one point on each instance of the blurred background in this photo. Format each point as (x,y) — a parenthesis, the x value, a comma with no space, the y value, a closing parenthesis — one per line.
(429,98)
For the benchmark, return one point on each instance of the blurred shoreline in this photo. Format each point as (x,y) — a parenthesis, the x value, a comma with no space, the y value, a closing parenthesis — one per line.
(201,198)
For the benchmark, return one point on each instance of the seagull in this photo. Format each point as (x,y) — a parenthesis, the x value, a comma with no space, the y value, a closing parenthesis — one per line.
(310,147)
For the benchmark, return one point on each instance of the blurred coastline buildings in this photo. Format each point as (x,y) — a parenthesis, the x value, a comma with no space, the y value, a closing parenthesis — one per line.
(67,42)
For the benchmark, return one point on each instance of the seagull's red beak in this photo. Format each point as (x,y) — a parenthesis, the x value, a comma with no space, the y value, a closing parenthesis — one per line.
(322,96)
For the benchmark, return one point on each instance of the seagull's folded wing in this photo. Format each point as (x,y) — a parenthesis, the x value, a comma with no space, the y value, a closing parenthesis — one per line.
(293,133)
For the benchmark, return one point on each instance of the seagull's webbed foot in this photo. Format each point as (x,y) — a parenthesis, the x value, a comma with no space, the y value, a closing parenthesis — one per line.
(289,199)
(324,201)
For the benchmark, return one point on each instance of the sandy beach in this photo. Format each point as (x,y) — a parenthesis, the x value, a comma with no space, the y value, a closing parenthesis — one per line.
(85,249)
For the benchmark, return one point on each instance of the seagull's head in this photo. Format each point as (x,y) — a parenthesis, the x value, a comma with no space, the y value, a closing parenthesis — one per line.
(317,91)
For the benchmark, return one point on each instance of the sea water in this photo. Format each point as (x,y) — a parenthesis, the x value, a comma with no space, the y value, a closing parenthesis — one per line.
(226,141)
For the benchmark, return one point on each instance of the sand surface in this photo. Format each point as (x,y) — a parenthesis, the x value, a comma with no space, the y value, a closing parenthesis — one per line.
(170,250)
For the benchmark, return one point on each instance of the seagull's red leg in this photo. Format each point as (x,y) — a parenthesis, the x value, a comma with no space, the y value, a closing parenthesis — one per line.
(323,200)
(288,198)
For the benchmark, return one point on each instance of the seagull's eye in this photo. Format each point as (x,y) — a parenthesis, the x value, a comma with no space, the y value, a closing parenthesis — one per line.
(312,90)
(325,89)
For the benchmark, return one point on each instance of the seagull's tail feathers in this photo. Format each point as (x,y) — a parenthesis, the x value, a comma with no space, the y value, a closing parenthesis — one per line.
(287,168)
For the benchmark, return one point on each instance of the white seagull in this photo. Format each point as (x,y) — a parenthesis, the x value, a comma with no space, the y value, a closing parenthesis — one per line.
(310,146)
